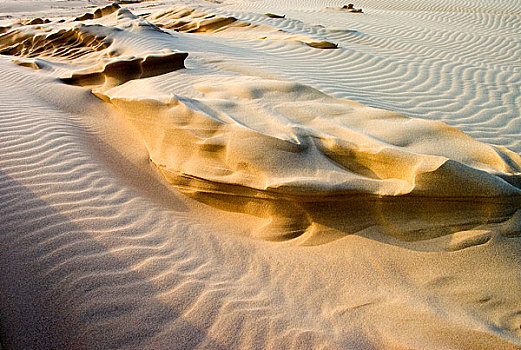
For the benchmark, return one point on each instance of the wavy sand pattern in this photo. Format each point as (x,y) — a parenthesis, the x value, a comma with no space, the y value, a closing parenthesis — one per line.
(179,177)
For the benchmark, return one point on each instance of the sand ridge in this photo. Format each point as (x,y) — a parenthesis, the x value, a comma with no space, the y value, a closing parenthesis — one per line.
(216,151)
(185,19)
(354,161)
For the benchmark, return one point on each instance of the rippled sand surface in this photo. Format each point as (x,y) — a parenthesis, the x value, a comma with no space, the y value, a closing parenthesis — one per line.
(260,175)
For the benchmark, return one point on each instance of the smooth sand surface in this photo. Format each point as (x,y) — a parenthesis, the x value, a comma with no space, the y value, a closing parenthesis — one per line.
(260,175)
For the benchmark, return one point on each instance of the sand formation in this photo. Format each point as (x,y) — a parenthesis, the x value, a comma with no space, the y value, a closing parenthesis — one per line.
(267,139)
(351,8)
(190,20)
(273,15)
(272,141)
(120,70)
(166,186)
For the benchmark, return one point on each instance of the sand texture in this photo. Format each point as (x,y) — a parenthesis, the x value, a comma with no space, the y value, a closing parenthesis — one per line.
(243,174)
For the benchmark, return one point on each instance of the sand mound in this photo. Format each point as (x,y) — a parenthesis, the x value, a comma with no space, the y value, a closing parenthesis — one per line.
(266,147)
(288,139)
(99,12)
(190,20)
(346,8)
(74,46)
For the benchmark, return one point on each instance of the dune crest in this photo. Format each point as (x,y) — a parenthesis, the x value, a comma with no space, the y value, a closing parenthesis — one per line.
(113,72)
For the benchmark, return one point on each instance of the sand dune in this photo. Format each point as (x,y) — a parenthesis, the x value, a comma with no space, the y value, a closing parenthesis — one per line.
(66,43)
(311,144)
(182,176)
(184,19)
(311,148)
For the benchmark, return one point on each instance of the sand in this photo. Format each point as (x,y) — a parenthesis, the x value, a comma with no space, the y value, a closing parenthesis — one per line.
(260,175)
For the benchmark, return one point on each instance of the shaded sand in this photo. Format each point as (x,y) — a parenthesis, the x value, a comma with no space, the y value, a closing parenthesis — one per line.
(179,177)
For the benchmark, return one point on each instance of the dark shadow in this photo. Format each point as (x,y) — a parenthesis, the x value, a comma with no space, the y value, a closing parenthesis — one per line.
(403,218)
(410,218)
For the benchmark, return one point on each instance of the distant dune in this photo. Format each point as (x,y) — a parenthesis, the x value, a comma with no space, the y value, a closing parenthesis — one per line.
(260,175)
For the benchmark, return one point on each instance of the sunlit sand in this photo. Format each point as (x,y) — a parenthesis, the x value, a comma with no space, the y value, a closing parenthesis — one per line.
(260,175)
